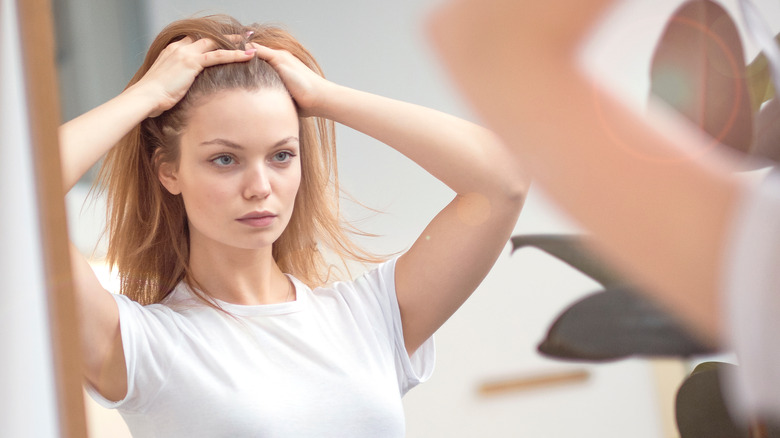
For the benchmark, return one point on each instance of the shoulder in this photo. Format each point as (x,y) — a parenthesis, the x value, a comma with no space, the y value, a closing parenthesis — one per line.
(378,280)
(379,277)
(369,296)
(165,316)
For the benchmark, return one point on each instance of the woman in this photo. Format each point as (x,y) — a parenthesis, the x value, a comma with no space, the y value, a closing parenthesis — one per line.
(703,241)
(221,190)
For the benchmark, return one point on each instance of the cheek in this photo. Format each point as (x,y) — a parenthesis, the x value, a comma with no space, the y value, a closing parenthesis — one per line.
(295,185)
(202,196)
(286,191)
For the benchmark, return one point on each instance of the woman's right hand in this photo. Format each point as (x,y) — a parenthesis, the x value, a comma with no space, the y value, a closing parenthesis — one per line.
(172,73)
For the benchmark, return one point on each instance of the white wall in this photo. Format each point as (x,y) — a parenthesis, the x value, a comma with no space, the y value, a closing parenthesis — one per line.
(380,47)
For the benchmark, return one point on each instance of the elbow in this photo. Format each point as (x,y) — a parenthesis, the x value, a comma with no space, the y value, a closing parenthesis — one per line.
(516,187)
(508,195)
(496,172)
(514,193)
(508,178)
(512,181)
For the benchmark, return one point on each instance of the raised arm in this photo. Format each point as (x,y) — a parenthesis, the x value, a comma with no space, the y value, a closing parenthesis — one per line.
(460,245)
(658,204)
(82,142)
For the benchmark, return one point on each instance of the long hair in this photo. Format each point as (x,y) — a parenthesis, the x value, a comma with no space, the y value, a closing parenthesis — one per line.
(146,226)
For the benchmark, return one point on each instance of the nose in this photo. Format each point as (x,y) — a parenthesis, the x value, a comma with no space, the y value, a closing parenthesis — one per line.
(256,183)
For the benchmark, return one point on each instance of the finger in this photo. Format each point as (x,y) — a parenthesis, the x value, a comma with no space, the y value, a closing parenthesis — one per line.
(204,45)
(183,41)
(215,57)
(265,53)
(178,43)
(264,49)
(201,45)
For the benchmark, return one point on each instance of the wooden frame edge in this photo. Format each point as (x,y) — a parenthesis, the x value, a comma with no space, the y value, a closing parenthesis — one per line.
(36,29)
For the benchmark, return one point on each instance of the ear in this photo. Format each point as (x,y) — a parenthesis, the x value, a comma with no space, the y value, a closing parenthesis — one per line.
(168,176)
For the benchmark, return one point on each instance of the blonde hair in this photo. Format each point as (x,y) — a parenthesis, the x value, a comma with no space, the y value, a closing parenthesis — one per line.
(146,226)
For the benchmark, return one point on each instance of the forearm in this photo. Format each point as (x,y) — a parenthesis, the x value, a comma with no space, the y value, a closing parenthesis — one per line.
(658,204)
(466,157)
(88,137)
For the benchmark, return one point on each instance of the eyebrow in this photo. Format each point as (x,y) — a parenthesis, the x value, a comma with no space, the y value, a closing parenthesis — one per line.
(233,145)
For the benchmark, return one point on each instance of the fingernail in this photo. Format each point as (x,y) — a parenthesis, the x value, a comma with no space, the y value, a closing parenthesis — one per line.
(249,33)
(250,51)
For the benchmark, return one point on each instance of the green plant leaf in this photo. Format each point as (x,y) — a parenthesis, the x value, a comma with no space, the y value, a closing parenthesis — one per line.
(700,408)
(766,141)
(702,411)
(615,324)
(705,366)
(759,81)
(698,69)
(573,250)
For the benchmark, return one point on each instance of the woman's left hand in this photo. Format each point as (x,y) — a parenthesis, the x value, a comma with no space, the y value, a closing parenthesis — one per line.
(306,87)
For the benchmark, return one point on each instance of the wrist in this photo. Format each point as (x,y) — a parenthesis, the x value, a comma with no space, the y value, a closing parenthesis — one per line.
(145,100)
(329,101)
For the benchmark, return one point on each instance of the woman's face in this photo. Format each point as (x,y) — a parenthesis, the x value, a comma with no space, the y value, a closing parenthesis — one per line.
(239,168)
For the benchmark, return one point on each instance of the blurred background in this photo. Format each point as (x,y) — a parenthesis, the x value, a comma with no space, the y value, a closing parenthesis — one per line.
(381,47)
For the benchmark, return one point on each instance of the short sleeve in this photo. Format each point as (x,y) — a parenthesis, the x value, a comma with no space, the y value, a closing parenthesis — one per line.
(410,370)
(149,339)
(751,297)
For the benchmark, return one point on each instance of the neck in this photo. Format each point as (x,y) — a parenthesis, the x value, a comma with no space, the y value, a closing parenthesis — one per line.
(238,276)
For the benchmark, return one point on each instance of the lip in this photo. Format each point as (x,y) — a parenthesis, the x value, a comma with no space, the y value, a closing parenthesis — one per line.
(257,219)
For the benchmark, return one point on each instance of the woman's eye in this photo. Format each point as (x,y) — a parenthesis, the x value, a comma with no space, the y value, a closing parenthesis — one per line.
(283,156)
(223,160)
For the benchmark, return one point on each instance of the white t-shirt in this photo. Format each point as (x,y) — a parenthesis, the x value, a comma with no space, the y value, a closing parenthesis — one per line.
(330,364)
(751,300)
